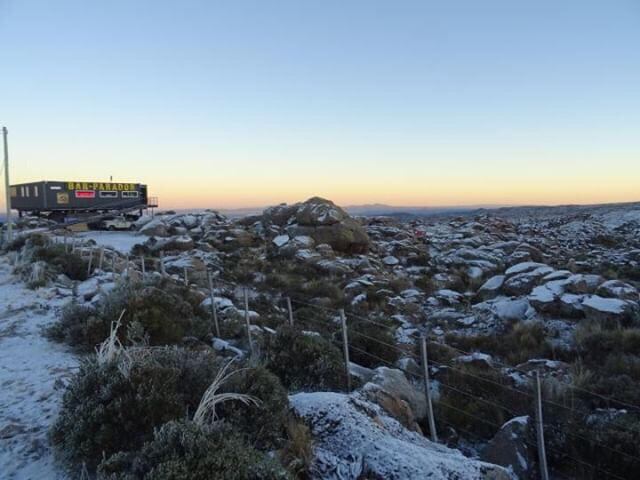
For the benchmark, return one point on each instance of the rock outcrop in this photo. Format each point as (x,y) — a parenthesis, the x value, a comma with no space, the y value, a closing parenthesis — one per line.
(355,439)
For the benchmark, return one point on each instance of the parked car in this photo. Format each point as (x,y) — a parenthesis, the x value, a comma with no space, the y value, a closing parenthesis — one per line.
(114,223)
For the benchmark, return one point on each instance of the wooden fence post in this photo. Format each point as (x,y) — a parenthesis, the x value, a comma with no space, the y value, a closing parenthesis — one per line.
(142,266)
(214,309)
(101,258)
(113,262)
(427,388)
(90,262)
(246,319)
(126,266)
(162,270)
(290,309)
(345,348)
(542,455)
(186,277)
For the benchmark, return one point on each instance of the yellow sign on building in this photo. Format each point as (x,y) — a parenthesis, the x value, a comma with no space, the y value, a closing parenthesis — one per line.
(121,187)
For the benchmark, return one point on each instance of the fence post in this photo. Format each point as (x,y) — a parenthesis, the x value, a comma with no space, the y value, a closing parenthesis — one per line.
(126,266)
(542,455)
(186,277)
(101,258)
(345,347)
(142,266)
(90,262)
(214,309)
(290,309)
(162,271)
(246,319)
(427,388)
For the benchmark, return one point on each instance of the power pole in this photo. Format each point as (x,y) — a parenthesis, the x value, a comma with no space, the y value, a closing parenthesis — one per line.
(6,184)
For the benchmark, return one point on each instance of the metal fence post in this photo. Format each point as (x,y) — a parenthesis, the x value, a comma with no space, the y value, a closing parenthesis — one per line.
(214,309)
(427,388)
(542,455)
(345,348)
(290,309)
(246,319)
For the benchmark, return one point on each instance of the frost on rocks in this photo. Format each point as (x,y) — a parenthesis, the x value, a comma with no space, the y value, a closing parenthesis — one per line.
(355,439)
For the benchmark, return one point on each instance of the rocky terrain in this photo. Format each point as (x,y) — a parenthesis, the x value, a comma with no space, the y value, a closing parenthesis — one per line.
(500,296)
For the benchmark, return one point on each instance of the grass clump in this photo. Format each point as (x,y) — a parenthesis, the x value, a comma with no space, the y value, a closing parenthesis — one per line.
(304,361)
(520,343)
(372,344)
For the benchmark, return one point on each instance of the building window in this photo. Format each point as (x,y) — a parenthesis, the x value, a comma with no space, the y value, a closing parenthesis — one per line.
(108,194)
(26,190)
(22,191)
(35,191)
(129,194)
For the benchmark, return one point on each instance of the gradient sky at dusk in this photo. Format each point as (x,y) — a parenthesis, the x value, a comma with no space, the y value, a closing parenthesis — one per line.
(247,103)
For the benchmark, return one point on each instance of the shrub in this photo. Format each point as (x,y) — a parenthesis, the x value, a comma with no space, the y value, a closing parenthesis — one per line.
(324,289)
(71,264)
(107,410)
(264,425)
(372,344)
(304,362)
(185,451)
(164,313)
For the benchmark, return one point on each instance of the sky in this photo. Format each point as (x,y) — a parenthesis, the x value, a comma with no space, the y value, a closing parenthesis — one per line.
(224,104)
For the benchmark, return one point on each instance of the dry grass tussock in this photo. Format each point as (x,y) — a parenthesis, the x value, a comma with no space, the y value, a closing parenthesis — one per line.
(206,411)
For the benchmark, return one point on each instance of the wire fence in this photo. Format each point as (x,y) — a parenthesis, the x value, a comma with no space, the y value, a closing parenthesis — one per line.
(448,391)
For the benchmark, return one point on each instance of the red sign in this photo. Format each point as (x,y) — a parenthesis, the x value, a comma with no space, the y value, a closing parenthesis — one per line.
(85,194)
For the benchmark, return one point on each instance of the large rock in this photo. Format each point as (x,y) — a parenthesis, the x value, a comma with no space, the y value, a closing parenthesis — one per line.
(355,439)
(394,383)
(155,228)
(610,309)
(323,221)
(511,448)
(618,289)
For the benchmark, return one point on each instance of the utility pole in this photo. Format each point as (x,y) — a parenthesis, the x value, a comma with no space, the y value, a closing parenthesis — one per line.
(6,184)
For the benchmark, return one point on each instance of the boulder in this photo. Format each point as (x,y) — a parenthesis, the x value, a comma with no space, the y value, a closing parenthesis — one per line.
(610,309)
(354,439)
(511,448)
(491,287)
(618,289)
(395,382)
(155,228)
(322,221)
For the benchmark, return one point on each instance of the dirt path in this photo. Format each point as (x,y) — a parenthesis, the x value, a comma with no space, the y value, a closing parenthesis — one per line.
(33,372)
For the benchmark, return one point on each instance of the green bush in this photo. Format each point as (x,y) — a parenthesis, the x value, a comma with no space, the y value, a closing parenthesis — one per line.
(107,410)
(164,313)
(182,450)
(264,425)
(70,264)
(303,361)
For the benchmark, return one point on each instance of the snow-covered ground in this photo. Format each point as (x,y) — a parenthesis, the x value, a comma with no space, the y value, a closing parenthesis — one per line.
(33,372)
(120,241)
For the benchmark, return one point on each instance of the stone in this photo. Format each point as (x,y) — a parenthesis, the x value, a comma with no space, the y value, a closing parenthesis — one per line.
(355,439)
(618,289)
(512,447)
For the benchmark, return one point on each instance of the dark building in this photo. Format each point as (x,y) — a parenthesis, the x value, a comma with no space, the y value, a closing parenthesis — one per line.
(59,199)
